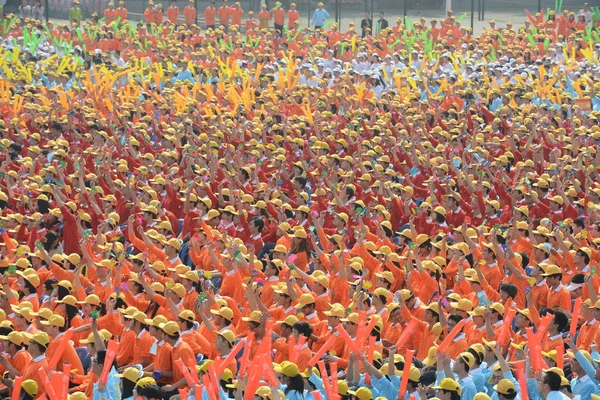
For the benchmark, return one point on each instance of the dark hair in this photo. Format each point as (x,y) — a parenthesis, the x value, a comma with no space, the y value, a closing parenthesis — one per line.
(579,222)
(296,384)
(510,289)
(48,285)
(561,320)
(434,315)
(71,313)
(508,396)
(476,355)
(29,286)
(62,292)
(302,246)
(524,258)
(43,208)
(152,392)
(553,380)
(25,396)
(455,317)
(259,223)
(300,180)
(584,255)
(188,324)
(128,387)
(464,362)
(453,394)
(50,240)
(303,328)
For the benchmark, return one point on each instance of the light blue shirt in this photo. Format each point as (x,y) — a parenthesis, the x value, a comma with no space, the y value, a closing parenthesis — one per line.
(112,390)
(468,388)
(557,396)
(294,395)
(185,75)
(319,17)
(387,387)
(478,379)
(584,387)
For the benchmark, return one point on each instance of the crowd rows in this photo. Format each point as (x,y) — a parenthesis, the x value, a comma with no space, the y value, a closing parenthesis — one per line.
(298,214)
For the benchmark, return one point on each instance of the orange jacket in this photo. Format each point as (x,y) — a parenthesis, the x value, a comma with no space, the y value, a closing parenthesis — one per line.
(173,14)
(236,16)
(189,13)
(209,15)
(293,16)
(279,16)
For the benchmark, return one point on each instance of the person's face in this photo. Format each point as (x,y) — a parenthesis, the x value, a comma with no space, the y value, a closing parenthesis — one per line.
(542,385)
(497,376)
(443,395)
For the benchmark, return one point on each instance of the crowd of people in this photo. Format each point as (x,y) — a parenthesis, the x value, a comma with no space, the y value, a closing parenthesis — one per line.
(284,213)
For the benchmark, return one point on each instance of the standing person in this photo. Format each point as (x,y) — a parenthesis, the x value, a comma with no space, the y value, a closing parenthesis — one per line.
(382,23)
(110,13)
(189,14)
(210,13)
(278,16)
(224,14)
(366,25)
(320,16)
(122,11)
(149,14)
(25,10)
(585,11)
(75,13)
(158,14)
(236,14)
(173,12)
(37,11)
(293,16)
(251,22)
(264,17)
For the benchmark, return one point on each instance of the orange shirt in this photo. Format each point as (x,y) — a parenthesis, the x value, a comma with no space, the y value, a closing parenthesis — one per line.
(559,298)
(69,355)
(189,13)
(539,294)
(173,14)
(209,15)
(304,356)
(263,23)
(457,346)
(162,360)
(587,334)
(282,350)
(476,335)
(20,360)
(198,343)
(109,16)
(236,16)
(552,343)
(143,343)
(31,372)
(232,366)
(293,16)
(184,351)
(125,352)
(279,16)
(224,14)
